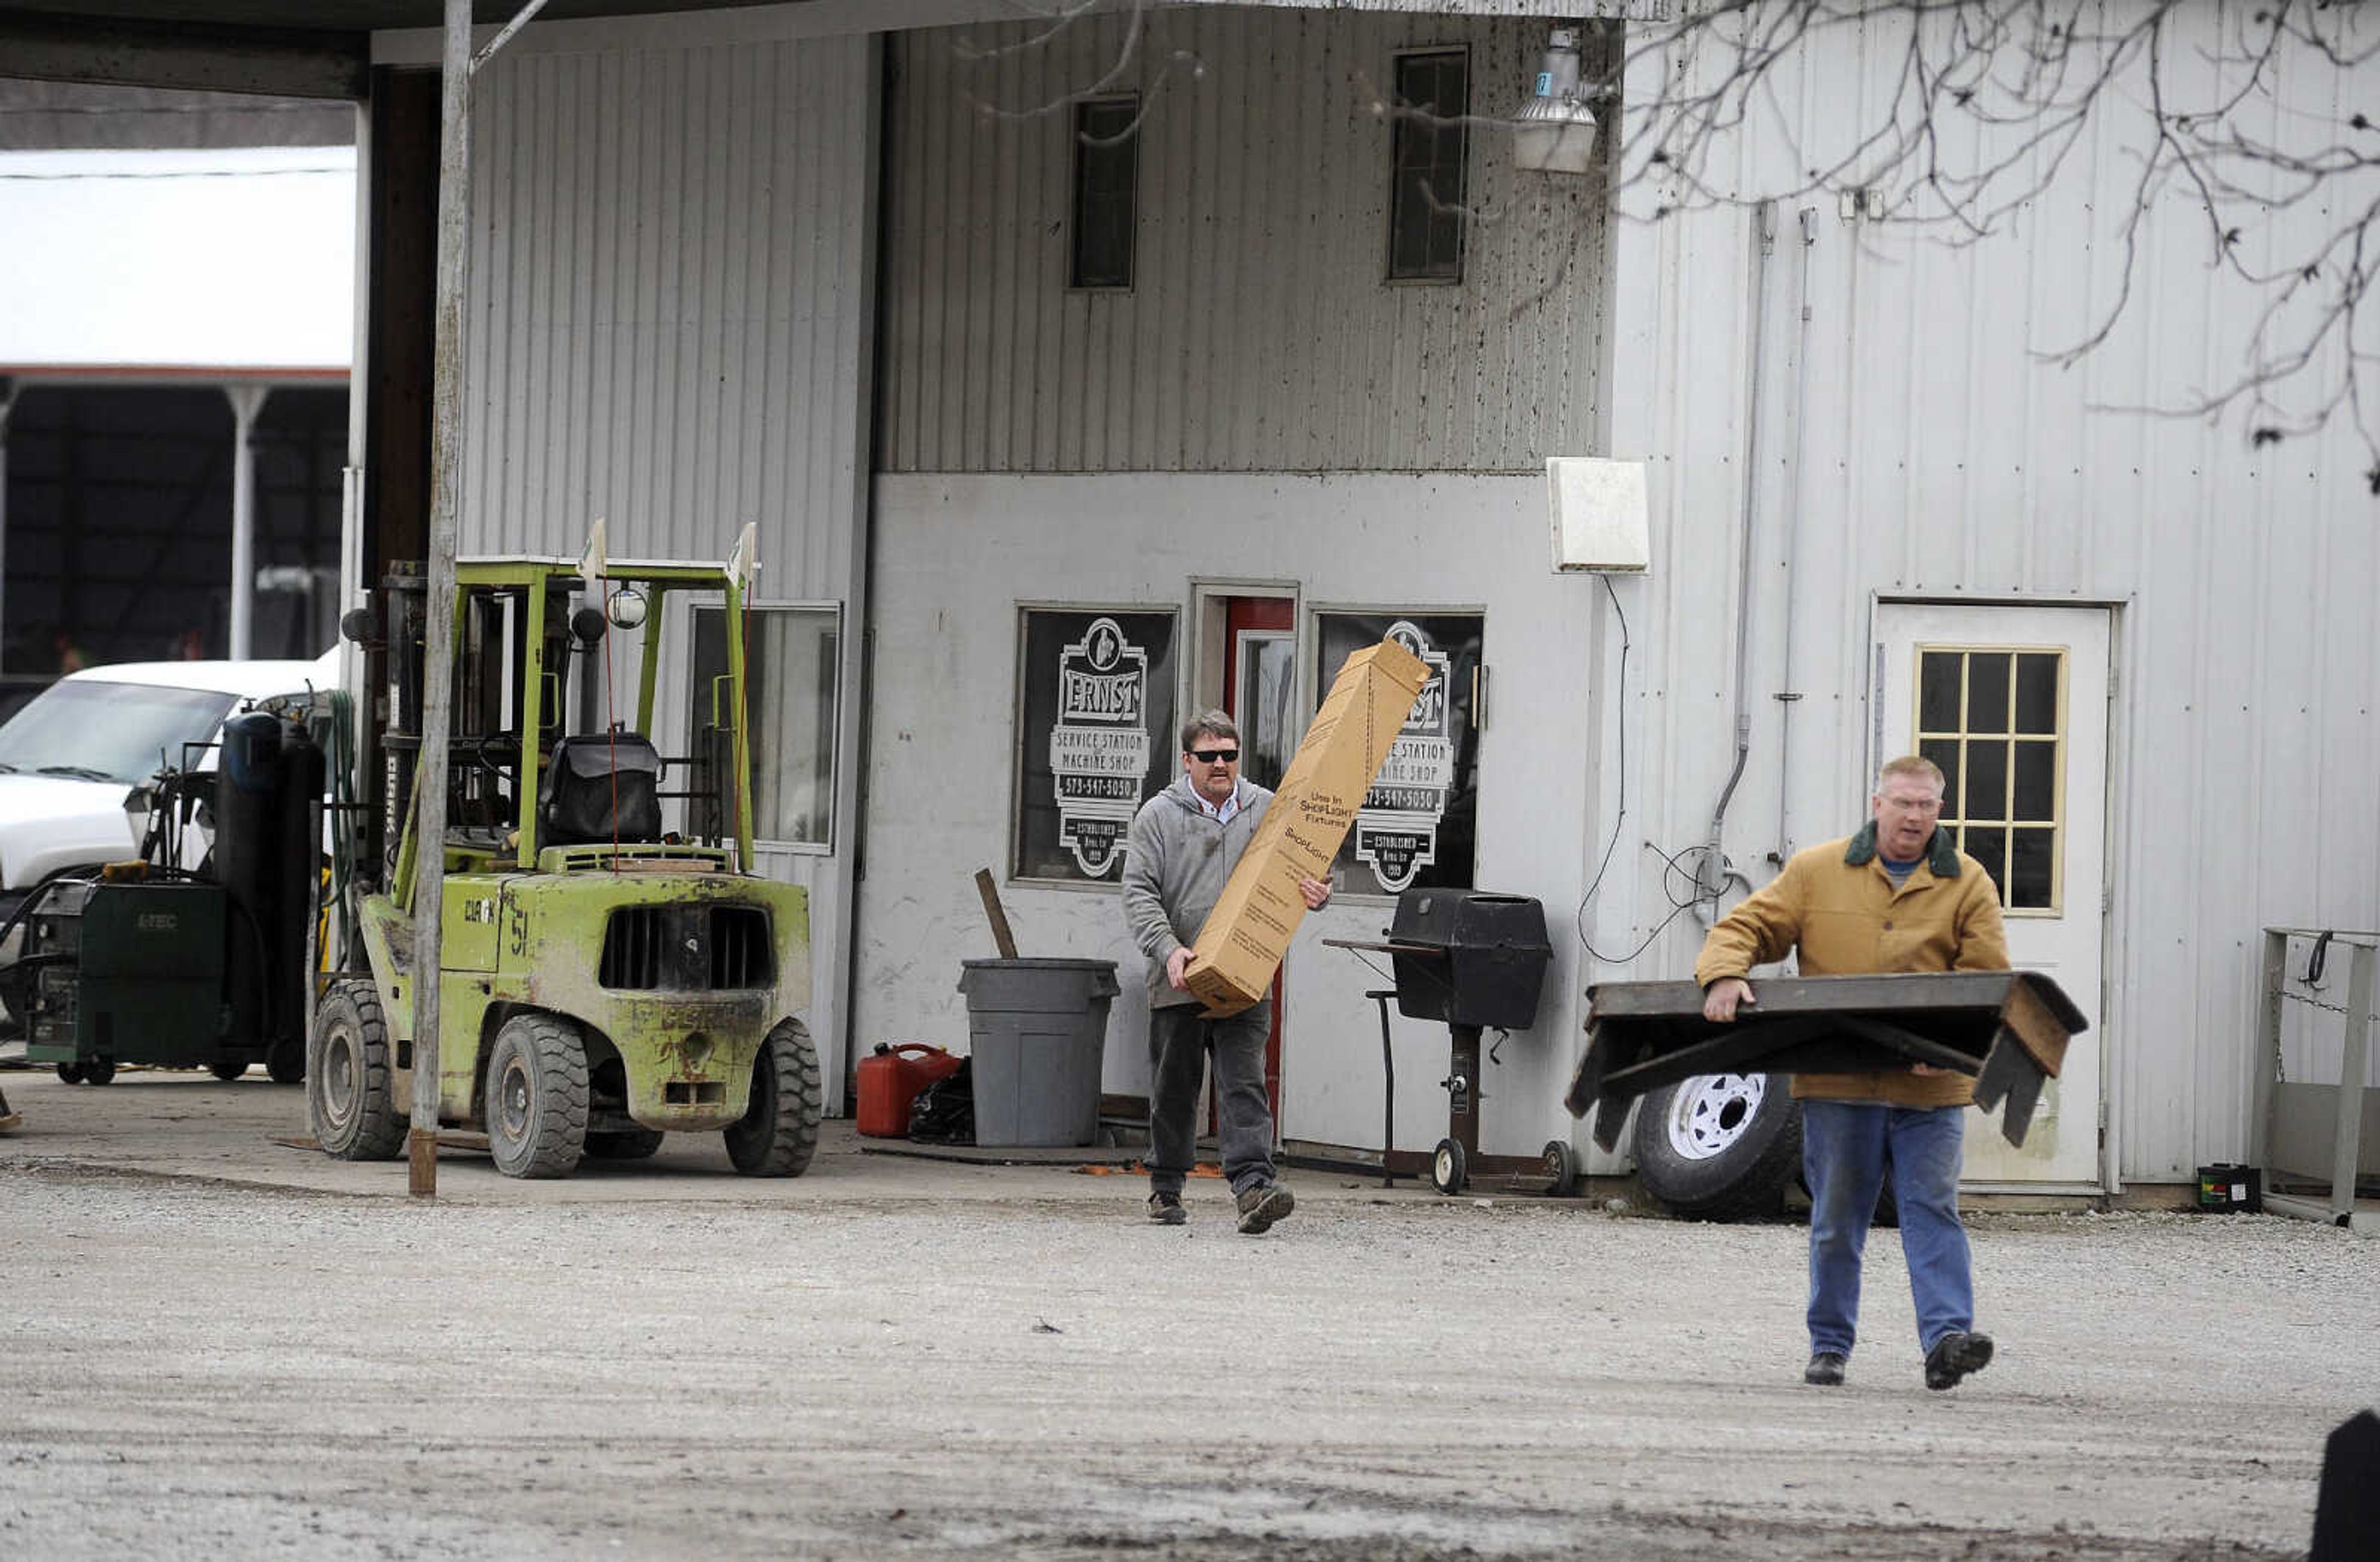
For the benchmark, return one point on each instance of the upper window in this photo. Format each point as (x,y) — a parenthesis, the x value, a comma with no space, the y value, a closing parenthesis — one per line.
(1994,721)
(792,661)
(1418,825)
(1429,146)
(1107,178)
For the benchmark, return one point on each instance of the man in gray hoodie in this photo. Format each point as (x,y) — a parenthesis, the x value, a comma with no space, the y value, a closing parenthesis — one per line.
(1183,844)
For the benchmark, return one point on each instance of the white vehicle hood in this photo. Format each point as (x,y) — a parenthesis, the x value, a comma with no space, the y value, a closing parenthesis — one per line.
(53,821)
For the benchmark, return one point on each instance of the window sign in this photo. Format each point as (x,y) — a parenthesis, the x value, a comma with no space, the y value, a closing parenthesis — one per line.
(1099,736)
(1418,825)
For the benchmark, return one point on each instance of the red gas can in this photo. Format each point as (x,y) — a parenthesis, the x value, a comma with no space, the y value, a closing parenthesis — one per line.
(890,1079)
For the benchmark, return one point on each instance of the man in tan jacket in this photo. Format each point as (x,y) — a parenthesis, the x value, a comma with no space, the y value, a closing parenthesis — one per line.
(1897,896)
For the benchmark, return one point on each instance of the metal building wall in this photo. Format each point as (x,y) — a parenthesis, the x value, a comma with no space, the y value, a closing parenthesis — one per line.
(1931,450)
(670,328)
(1259,335)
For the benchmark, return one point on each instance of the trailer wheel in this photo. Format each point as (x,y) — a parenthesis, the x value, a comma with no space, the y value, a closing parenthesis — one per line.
(226,1070)
(1447,1170)
(71,1073)
(536,1096)
(779,1132)
(99,1071)
(624,1144)
(1719,1146)
(1562,1168)
(350,1089)
(285,1062)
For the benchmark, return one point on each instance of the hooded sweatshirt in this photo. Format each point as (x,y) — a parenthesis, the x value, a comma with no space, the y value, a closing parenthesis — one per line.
(1175,864)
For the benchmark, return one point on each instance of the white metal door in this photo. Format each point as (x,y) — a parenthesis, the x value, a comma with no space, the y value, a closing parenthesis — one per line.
(2012,703)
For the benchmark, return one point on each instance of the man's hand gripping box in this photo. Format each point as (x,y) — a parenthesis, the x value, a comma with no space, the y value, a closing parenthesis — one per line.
(1232,963)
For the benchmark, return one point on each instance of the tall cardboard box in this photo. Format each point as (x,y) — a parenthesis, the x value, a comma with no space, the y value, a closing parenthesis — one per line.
(1232,963)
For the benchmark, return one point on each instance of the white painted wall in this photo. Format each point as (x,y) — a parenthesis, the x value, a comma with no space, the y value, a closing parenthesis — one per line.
(1932,449)
(957,553)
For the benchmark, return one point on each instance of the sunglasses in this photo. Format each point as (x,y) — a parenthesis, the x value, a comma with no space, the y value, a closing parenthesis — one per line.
(1216,756)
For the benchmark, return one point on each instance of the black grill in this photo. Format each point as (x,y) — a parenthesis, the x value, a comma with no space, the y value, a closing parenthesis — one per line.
(741,955)
(1475,959)
(687,949)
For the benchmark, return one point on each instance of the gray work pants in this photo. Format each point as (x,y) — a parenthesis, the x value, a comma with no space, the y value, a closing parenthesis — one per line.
(1179,1039)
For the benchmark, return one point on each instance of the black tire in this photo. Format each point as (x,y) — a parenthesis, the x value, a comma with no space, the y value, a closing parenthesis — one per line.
(778,1133)
(99,1071)
(1719,1146)
(350,1085)
(285,1062)
(1448,1167)
(624,1144)
(226,1070)
(71,1073)
(536,1096)
(1561,1161)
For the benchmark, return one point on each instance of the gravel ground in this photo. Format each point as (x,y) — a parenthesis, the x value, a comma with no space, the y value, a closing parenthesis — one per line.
(901,1360)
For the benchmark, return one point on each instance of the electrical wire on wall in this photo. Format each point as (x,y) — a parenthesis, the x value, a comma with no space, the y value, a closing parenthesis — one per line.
(1670,860)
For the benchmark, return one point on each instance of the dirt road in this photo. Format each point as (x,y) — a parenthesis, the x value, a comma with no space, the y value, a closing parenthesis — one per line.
(901,1359)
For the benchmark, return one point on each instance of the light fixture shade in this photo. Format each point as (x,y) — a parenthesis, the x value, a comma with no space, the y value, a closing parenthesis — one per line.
(1553,130)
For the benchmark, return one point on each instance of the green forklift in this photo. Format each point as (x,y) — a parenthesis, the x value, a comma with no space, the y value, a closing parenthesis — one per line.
(611,968)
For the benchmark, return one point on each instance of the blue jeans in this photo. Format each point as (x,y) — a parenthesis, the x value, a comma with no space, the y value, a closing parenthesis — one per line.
(1179,1041)
(1846,1147)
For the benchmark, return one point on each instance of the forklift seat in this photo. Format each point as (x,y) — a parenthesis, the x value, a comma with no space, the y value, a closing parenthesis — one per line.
(585,778)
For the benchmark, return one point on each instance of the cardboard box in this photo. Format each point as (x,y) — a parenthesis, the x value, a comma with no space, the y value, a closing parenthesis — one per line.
(1232,963)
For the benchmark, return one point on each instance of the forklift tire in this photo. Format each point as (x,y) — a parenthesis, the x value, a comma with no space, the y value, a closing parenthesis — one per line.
(71,1073)
(285,1062)
(623,1144)
(99,1071)
(226,1070)
(350,1089)
(536,1096)
(780,1129)
(1719,1146)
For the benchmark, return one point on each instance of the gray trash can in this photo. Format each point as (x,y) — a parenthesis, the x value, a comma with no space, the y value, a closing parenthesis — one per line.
(1038,1029)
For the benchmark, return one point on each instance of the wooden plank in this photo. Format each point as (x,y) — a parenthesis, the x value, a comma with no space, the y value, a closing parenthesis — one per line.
(1001,935)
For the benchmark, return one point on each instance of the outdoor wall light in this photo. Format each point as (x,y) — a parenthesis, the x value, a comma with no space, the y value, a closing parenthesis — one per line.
(1553,130)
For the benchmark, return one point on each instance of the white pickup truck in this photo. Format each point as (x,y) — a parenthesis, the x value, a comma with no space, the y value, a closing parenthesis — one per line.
(69,758)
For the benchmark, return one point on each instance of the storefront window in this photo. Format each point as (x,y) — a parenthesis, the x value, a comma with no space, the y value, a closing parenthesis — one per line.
(791,662)
(1419,822)
(1098,736)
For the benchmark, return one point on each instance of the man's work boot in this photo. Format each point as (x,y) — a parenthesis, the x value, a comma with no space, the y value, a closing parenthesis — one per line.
(1954,1356)
(1826,1370)
(1261,1206)
(1165,1209)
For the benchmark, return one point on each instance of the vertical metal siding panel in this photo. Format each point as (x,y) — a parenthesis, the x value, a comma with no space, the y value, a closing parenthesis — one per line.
(1259,335)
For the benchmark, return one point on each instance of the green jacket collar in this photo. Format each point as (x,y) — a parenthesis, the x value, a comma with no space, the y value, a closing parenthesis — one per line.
(1941,856)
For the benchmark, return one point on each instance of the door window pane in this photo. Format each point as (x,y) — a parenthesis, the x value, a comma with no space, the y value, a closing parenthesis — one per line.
(1265,699)
(2036,692)
(1098,736)
(792,660)
(2002,750)
(1419,822)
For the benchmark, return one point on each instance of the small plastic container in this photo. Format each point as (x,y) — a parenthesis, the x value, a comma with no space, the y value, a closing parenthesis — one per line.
(889,1078)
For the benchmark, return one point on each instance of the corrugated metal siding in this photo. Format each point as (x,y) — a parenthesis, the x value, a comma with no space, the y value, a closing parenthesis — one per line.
(670,321)
(1259,335)
(1942,455)
(669,294)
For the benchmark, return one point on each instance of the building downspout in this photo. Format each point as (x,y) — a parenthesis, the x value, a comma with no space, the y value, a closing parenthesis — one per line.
(1712,874)
(7,405)
(1786,693)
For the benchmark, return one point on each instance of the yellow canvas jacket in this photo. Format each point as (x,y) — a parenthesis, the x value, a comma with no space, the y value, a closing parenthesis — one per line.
(1836,904)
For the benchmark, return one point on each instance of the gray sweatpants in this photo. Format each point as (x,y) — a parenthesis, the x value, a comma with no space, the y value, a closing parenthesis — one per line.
(1179,1039)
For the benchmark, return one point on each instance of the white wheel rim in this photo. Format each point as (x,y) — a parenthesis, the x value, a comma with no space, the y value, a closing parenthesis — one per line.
(1711,1112)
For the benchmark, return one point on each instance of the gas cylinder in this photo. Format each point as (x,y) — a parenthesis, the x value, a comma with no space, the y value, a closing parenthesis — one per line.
(890,1079)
